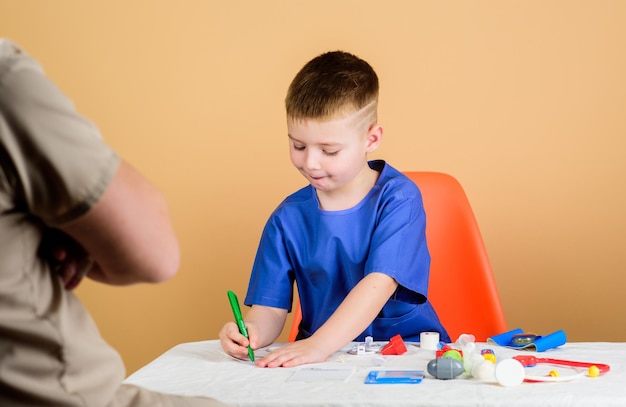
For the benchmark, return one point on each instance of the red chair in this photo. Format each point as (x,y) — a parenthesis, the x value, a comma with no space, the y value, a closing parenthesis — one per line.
(462,287)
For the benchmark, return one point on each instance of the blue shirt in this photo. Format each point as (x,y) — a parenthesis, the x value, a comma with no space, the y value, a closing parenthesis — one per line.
(328,252)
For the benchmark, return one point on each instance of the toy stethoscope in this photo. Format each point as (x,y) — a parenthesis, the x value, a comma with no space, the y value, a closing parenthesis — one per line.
(511,372)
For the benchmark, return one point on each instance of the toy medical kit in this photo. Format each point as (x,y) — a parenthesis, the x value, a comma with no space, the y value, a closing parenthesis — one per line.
(365,348)
(234,304)
(521,340)
(447,348)
(429,340)
(593,369)
(445,367)
(482,369)
(530,361)
(394,377)
(466,340)
(454,354)
(518,339)
(509,372)
(488,354)
(480,365)
(395,346)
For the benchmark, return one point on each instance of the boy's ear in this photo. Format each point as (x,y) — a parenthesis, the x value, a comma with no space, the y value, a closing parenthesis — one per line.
(374,137)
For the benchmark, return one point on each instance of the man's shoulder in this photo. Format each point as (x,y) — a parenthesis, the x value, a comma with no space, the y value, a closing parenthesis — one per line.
(10,54)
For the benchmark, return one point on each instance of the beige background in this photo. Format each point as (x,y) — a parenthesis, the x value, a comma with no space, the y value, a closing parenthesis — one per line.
(523,101)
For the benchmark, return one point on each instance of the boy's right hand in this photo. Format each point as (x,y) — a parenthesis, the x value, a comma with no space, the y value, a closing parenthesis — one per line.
(234,343)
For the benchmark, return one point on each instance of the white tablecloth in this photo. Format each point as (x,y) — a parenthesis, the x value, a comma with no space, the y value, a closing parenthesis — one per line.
(202,368)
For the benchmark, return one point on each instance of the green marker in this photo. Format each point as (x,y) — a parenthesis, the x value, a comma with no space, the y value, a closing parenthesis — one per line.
(234,304)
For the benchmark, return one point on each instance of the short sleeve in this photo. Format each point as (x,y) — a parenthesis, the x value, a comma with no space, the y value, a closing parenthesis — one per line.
(54,160)
(275,288)
(399,247)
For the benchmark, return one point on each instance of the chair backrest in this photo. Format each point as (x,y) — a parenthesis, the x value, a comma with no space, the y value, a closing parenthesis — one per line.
(462,287)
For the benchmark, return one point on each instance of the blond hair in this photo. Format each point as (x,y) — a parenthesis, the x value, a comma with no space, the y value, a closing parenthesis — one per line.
(333,85)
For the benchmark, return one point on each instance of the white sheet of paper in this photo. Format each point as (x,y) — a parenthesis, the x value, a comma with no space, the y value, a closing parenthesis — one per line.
(317,374)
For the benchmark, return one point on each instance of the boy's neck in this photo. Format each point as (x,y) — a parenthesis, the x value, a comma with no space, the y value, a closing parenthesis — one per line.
(350,195)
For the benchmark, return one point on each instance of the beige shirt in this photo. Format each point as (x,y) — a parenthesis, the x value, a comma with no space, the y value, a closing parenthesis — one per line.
(54,167)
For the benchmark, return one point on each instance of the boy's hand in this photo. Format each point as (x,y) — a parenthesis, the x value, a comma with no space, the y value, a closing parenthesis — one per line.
(234,343)
(296,353)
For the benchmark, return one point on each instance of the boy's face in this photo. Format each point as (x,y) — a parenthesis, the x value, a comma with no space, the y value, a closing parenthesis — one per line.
(331,154)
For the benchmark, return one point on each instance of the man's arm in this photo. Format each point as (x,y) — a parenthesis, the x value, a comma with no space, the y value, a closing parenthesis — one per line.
(128,232)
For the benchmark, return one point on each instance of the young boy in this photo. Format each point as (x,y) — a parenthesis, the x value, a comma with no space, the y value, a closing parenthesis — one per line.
(353,240)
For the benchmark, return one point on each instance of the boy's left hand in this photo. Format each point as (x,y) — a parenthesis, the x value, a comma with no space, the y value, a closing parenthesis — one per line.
(294,354)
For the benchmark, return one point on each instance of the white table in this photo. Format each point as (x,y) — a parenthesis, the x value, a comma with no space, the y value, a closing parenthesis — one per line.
(202,368)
